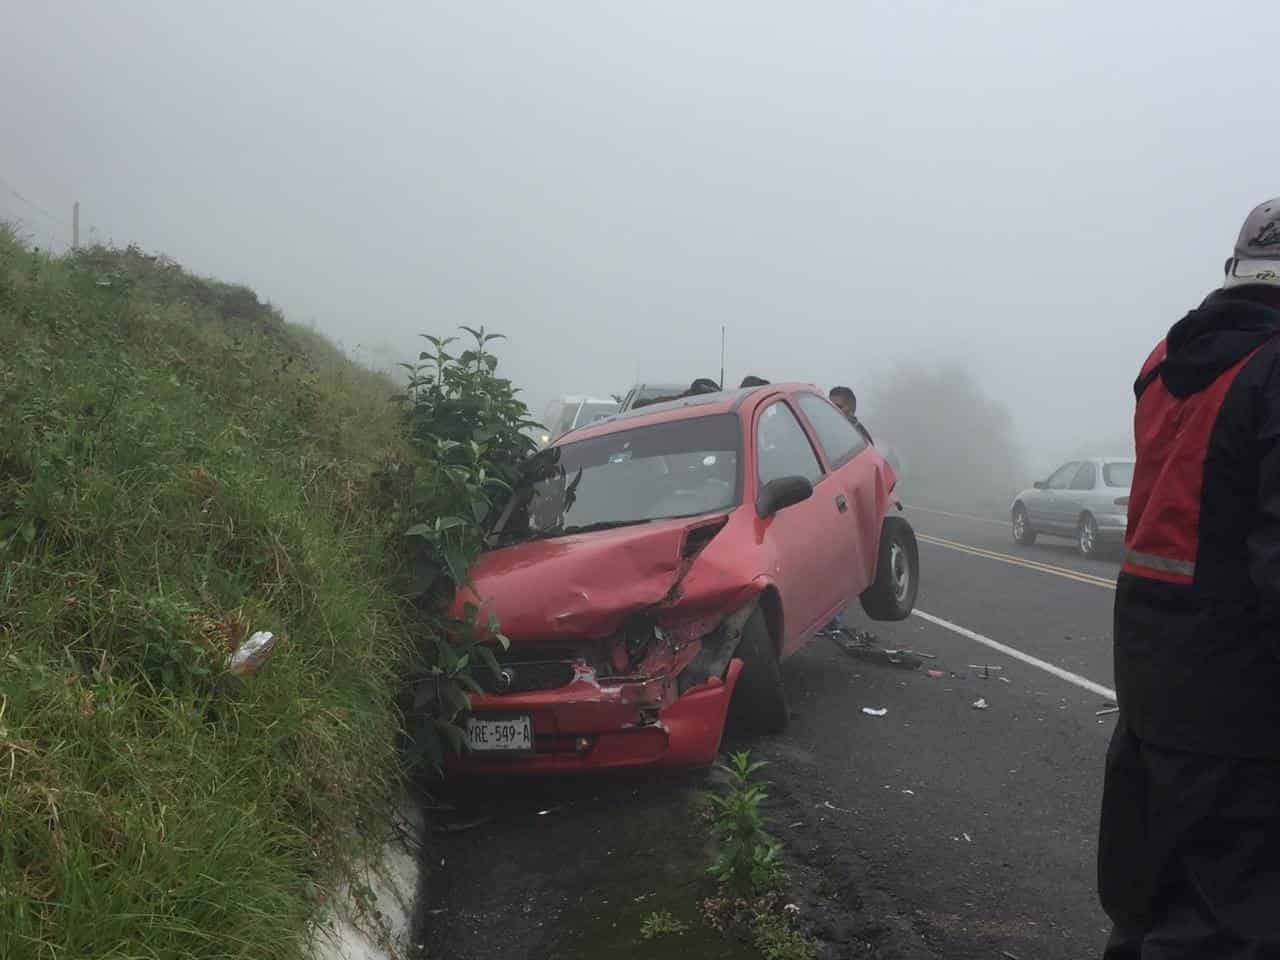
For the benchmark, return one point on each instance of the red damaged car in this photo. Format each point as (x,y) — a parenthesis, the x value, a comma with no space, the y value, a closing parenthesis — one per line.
(654,568)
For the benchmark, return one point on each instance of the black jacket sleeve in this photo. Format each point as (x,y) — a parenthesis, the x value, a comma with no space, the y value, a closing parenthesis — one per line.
(1264,536)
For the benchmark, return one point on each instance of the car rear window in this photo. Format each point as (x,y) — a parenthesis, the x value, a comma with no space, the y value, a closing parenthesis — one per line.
(1118,474)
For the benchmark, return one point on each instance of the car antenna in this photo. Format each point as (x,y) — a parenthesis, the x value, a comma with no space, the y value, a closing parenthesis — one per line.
(722,356)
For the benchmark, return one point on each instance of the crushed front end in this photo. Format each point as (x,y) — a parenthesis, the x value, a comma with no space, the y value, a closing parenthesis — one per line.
(654,692)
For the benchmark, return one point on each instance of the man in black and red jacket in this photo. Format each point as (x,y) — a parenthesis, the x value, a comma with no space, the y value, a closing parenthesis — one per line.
(1189,852)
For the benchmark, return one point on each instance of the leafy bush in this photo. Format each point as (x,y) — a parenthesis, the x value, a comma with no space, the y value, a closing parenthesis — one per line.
(468,433)
(747,860)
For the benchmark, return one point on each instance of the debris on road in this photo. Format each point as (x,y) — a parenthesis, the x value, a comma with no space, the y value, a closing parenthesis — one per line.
(936,674)
(986,668)
(980,704)
(1003,679)
(875,711)
(863,645)
(830,806)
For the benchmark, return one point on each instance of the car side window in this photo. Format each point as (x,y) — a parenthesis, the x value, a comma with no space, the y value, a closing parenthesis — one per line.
(1086,477)
(783,448)
(1061,478)
(839,439)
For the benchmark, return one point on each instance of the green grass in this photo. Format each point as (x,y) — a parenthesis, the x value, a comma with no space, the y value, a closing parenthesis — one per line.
(178,465)
(661,923)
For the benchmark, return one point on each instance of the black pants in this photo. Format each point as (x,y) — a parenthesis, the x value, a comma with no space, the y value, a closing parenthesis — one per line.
(1189,854)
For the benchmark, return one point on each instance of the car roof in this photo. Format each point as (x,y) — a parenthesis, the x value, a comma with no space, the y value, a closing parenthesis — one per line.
(739,400)
(584,398)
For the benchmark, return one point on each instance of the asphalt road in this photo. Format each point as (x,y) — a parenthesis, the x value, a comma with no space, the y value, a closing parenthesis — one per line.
(974,828)
(980,823)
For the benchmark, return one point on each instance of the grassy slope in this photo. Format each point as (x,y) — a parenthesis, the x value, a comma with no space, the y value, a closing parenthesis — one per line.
(178,465)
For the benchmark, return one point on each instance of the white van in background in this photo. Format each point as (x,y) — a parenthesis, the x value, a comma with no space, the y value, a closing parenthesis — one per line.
(570,412)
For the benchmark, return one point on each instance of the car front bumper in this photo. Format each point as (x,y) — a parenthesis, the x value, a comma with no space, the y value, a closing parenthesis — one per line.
(588,726)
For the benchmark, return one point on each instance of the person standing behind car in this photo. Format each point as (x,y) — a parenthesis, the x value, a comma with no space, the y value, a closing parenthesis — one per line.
(844,398)
(1189,839)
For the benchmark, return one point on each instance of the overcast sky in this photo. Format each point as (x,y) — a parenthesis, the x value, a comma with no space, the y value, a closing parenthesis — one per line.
(1039,189)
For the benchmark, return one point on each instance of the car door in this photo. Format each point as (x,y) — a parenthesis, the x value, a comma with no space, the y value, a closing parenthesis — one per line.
(1050,507)
(803,551)
(1079,494)
(862,508)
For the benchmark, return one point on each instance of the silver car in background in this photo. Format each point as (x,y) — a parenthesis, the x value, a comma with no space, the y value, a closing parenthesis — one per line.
(1087,500)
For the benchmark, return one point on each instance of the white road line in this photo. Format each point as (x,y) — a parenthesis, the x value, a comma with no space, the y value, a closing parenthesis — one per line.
(1075,678)
(959,516)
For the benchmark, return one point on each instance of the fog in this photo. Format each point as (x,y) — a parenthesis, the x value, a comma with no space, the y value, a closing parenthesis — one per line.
(1031,191)
(952,444)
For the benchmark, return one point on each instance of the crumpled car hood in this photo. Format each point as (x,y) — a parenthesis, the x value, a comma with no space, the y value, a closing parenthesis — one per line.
(579,586)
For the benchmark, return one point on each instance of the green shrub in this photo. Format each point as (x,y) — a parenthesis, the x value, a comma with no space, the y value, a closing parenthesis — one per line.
(777,938)
(748,860)
(662,924)
(467,430)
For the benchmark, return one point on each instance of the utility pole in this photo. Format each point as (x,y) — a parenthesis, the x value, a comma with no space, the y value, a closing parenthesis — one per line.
(722,356)
(75,225)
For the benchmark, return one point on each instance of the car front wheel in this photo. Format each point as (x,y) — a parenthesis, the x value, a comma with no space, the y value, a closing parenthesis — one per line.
(759,703)
(1022,532)
(893,594)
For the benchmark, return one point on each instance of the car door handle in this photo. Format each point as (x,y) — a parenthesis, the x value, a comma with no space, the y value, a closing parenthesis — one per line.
(841,503)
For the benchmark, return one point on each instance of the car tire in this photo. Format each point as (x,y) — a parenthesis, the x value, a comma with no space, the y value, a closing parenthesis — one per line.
(893,594)
(759,703)
(1087,537)
(1023,533)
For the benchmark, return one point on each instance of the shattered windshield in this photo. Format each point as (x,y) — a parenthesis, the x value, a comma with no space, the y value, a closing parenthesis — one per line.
(681,468)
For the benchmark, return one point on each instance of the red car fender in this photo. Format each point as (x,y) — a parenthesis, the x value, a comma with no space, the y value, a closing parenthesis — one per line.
(769,598)
(695,722)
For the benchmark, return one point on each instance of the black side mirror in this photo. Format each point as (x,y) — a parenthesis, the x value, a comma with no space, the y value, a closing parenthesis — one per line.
(1041,485)
(782,493)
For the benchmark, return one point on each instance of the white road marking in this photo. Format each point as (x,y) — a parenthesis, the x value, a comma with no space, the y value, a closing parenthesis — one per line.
(959,516)
(1074,678)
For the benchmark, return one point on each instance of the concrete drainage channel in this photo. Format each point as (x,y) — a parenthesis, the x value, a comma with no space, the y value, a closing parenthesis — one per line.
(372,919)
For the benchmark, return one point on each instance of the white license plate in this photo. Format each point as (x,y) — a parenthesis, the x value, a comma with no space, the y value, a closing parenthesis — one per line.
(509,734)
